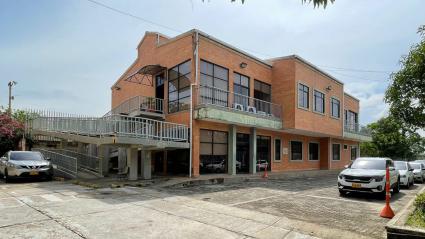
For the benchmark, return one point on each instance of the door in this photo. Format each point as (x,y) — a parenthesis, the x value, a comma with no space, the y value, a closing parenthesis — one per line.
(263,153)
(242,153)
(159,86)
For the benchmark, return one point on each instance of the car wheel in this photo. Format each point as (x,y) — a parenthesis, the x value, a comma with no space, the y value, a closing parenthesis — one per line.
(397,187)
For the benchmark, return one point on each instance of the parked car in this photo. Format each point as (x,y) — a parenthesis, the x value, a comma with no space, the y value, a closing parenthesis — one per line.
(406,173)
(368,175)
(25,164)
(418,171)
(216,167)
(262,165)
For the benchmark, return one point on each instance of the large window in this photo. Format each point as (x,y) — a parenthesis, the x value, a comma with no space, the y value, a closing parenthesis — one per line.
(241,89)
(213,151)
(263,92)
(335,108)
(353,152)
(296,150)
(313,151)
(303,96)
(336,152)
(263,152)
(319,102)
(179,87)
(351,119)
(277,148)
(215,80)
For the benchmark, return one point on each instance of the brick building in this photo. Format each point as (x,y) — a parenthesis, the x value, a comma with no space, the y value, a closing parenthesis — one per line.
(245,114)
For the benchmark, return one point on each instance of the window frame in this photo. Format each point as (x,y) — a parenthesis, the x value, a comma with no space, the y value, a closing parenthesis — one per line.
(333,98)
(357,152)
(280,150)
(290,153)
(308,95)
(248,88)
(318,151)
(340,153)
(323,102)
(178,90)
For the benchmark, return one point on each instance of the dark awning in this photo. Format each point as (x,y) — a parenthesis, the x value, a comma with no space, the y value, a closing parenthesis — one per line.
(145,74)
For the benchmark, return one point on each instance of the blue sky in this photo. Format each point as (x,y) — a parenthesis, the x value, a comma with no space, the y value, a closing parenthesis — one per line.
(65,55)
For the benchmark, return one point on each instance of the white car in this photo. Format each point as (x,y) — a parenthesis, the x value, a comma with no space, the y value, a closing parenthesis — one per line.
(25,164)
(368,175)
(406,173)
(418,171)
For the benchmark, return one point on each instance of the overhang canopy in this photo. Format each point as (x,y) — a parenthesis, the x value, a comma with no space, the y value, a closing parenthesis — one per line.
(145,74)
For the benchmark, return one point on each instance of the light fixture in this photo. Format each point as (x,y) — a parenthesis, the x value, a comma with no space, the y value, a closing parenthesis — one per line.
(329,88)
(243,65)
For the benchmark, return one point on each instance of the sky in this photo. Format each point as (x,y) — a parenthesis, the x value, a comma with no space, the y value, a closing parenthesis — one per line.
(65,55)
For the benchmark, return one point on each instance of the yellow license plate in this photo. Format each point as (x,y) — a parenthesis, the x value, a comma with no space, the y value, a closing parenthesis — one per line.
(33,173)
(356,185)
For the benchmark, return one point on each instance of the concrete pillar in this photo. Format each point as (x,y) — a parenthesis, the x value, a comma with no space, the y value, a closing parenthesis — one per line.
(231,155)
(122,159)
(104,155)
(146,165)
(132,163)
(253,151)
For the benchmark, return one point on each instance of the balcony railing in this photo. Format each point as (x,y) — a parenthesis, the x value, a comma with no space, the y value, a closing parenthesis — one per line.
(139,104)
(214,96)
(356,128)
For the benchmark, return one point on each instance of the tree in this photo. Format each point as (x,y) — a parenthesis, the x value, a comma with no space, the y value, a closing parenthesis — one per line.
(390,138)
(406,94)
(11,132)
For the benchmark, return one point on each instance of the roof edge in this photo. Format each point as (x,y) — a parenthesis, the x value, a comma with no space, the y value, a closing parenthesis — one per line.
(355,98)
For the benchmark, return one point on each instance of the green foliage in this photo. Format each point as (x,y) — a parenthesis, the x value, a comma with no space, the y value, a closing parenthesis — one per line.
(11,132)
(406,94)
(420,202)
(417,218)
(390,138)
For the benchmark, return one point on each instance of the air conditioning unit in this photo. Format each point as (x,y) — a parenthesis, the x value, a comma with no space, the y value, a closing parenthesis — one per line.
(252,109)
(237,106)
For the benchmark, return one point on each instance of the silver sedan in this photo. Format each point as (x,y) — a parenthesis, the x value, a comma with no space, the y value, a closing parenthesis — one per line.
(25,164)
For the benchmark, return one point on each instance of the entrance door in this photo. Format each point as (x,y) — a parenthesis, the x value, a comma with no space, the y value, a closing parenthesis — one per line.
(159,86)
(263,153)
(242,153)
(159,162)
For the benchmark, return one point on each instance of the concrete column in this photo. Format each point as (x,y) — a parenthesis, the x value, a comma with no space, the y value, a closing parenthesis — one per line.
(104,155)
(122,159)
(253,151)
(132,163)
(146,166)
(231,155)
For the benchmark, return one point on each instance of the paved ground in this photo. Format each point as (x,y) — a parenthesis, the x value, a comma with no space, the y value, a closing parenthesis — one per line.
(272,209)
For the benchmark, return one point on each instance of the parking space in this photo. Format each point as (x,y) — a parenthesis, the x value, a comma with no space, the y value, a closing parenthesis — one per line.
(294,208)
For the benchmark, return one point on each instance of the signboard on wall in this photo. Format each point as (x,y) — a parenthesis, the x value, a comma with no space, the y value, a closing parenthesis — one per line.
(284,151)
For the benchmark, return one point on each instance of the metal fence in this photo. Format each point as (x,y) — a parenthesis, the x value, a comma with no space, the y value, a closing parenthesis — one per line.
(88,162)
(356,128)
(61,162)
(139,103)
(214,96)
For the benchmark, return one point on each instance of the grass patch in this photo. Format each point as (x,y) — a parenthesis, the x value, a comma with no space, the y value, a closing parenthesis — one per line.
(417,218)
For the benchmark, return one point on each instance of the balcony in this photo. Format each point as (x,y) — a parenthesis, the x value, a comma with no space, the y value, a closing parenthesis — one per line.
(357,131)
(140,106)
(223,106)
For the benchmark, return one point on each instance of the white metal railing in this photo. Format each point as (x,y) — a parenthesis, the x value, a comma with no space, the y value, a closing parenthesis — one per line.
(139,103)
(356,128)
(117,125)
(85,161)
(63,163)
(208,95)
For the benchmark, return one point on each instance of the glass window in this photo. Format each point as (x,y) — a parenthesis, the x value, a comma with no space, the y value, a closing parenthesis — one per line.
(351,120)
(213,150)
(216,80)
(241,89)
(179,87)
(336,152)
(335,108)
(353,152)
(296,150)
(313,151)
(303,96)
(400,165)
(277,148)
(263,152)
(262,91)
(319,102)
(369,164)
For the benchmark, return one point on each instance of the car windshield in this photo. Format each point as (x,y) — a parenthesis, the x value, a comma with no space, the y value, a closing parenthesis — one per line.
(415,165)
(21,156)
(368,164)
(400,165)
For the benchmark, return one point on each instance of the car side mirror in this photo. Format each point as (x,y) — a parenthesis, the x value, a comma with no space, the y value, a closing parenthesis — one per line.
(391,168)
(410,169)
(345,166)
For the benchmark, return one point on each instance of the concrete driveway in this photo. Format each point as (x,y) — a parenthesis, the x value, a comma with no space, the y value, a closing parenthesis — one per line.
(263,209)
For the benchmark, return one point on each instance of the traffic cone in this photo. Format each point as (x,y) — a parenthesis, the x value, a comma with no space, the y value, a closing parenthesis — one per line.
(266,175)
(387,212)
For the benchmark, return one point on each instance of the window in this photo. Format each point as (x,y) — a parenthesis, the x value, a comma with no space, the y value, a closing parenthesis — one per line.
(313,151)
(351,120)
(303,96)
(277,147)
(319,102)
(213,150)
(336,152)
(296,150)
(263,92)
(264,144)
(335,108)
(241,89)
(345,147)
(215,80)
(179,87)
(353,152)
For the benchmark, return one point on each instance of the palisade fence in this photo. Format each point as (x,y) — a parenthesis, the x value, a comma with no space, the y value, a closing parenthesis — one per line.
(112,125)
(63,163)
(87,162)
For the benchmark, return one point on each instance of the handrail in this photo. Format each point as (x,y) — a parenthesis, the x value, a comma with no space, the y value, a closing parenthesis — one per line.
(208,95)
(356,128)
(139,103)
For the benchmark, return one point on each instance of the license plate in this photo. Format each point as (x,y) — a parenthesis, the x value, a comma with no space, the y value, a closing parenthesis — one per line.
(356,185)
(33,173)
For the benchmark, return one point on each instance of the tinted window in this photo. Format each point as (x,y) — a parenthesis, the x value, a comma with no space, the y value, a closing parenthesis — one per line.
(369,164)
(313,151)
(319,102)
(296,150)
(303,99)
(400,165)
(20,156)
(415,165)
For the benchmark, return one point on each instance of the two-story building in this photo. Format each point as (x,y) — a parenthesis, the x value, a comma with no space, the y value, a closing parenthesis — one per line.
(245,114)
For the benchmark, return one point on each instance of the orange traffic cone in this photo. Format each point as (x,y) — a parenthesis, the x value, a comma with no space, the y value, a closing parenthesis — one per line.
(387,212)
(265,175)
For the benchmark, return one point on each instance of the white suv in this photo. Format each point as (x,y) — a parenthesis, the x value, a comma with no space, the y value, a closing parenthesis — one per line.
(368,175)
